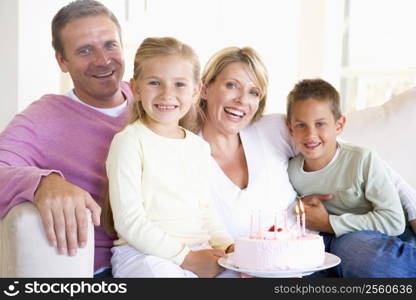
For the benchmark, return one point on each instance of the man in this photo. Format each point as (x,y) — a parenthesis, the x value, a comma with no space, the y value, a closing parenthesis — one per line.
(53,153)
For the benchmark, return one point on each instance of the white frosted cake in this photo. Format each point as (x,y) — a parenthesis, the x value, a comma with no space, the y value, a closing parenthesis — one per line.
(283,250)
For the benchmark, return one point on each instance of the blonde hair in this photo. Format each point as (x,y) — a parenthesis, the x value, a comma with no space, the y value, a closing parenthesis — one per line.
(150,48)
(153,47)
(219,61)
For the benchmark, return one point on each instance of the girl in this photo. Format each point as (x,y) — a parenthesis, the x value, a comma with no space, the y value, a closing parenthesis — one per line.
(157,172)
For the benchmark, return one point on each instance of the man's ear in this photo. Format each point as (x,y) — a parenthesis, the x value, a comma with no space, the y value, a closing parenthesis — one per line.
(340,124)
(61,61)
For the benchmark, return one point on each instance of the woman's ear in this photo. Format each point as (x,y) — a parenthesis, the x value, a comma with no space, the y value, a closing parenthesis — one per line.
(197,92)
(204,92)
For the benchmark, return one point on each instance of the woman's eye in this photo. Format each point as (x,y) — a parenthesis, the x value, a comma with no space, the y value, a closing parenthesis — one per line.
(230,85)
(255,93)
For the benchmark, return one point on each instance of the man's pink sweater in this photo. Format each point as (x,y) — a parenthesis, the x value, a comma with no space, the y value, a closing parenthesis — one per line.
(58,134)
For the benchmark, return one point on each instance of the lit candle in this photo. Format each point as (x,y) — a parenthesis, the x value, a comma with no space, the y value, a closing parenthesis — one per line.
(275,225)
(297,218)
(303,219)
(251,224)
(259,226)
(285,216)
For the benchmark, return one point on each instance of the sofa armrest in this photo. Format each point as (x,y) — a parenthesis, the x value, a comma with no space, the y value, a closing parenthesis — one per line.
(25,251)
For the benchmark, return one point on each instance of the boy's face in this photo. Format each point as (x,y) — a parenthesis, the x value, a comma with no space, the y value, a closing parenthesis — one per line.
(314,129)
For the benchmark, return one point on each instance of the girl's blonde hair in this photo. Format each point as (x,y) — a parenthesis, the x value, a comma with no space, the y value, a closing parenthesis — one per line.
(151,48)
(219,61)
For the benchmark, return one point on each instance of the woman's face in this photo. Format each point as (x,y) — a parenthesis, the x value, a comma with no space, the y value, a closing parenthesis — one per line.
(232,99)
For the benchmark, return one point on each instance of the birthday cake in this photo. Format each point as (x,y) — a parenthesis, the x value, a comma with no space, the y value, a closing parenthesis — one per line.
(279,250)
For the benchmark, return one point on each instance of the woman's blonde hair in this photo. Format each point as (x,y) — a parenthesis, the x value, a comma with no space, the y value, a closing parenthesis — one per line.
(165,46)
(151,48)
(219,61)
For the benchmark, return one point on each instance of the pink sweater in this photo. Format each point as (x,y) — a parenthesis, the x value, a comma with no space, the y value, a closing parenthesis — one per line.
(58,134)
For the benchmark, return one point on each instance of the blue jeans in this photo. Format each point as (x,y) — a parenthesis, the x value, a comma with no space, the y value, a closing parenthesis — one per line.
(371,254)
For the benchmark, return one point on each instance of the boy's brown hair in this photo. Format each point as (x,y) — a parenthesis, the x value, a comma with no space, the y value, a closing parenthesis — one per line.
(317,89)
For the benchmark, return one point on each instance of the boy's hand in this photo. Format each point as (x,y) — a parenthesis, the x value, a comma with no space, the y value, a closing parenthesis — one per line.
(317,217)
(413,225)
(204,263)
(313,200)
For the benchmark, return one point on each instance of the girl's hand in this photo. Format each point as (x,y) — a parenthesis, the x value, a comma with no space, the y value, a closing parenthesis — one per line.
(204,263)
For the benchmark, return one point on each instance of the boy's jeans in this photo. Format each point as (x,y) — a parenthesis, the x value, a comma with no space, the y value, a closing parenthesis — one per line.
(371,254)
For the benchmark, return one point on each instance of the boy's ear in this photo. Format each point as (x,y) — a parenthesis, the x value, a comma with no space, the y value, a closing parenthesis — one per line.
(289,127)
(135,89)
(340,124)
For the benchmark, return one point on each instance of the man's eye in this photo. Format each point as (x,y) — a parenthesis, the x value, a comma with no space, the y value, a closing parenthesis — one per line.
(111,45)
(85,51)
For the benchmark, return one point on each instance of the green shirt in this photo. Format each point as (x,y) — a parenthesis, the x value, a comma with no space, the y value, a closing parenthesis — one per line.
(364,196)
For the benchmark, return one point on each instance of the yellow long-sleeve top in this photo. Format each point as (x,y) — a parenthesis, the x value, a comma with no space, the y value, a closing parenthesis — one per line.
(159,193)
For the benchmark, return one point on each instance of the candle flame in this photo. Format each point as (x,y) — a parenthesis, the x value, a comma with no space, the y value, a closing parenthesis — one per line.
(297,209)
(302,210)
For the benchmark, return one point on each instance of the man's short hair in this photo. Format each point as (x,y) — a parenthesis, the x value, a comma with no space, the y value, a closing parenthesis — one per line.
(76,10)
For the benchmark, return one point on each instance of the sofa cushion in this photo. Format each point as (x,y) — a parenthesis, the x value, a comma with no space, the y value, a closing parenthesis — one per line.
(389,129)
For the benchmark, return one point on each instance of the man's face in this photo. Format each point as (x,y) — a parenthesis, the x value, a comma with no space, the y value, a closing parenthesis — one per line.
(93,57)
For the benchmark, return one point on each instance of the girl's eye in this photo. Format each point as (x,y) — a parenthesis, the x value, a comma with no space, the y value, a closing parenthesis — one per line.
(300,125)
(180,84)
(154,83)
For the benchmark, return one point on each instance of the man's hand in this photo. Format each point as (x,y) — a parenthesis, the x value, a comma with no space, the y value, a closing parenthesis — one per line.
(204,263)
(62,209)
(317,217)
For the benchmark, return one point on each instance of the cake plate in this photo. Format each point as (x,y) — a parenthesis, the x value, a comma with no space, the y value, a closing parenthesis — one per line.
(330,261)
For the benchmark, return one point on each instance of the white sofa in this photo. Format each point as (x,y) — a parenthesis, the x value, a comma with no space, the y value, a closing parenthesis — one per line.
(24,250)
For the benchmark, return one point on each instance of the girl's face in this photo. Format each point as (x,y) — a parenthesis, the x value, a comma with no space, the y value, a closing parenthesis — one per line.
(232,99)
(167,89)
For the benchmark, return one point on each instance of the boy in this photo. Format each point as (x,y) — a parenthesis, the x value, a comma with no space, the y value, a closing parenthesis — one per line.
(364,198)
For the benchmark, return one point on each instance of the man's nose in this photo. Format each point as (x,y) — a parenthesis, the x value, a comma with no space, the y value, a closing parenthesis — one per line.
(101,58)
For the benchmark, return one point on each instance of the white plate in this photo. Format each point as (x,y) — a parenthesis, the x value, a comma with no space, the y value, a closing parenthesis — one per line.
(330,261)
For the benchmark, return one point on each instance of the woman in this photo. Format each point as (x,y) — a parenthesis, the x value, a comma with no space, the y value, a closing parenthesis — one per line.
(250,157)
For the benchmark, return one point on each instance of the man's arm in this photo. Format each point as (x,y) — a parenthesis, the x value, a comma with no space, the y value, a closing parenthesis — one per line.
(59,202)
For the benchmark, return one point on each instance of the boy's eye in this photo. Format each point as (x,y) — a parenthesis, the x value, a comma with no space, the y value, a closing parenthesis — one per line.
(320,124)
(154,83)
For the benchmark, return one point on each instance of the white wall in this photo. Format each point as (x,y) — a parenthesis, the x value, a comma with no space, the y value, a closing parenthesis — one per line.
(8,60)
(296,39)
